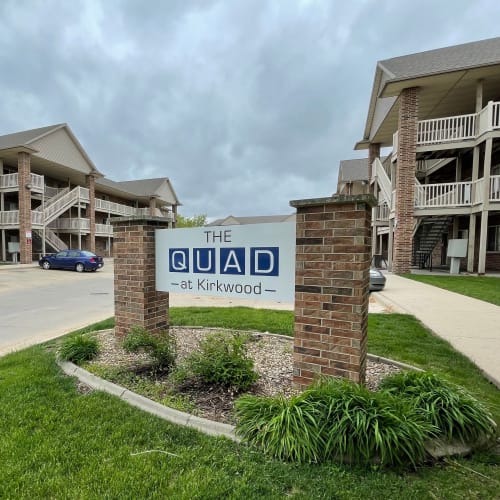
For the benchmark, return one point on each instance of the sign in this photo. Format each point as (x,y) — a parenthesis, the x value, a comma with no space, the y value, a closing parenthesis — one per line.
(254,261)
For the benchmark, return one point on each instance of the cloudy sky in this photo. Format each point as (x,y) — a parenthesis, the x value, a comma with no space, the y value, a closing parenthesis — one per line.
(244,104)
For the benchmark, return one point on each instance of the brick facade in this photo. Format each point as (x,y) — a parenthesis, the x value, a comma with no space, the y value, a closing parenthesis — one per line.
(405,180)
(90,211)
(24,171)
(136,300)
(333,253)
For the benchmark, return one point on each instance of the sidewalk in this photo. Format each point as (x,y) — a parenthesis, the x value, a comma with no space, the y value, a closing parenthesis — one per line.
(471,326)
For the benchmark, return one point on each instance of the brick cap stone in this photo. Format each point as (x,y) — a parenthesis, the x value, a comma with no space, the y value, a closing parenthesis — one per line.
(336,200)
(153,220)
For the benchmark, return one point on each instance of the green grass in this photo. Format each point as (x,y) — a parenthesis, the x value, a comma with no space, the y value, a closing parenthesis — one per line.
(478,287)
(57,443)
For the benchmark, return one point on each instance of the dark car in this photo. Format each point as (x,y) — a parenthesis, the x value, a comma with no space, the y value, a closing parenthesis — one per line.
(78,260)
(377,280)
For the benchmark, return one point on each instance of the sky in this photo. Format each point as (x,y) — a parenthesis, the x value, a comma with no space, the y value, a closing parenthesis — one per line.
(243,104)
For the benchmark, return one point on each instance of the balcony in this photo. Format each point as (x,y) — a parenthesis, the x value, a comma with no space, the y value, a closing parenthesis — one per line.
(9,219)
(454,128)
(110,207)
(10,182)
(103,230)
(75,225)
(456,194)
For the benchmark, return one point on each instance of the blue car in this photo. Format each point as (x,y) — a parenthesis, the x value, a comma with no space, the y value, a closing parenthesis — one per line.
(77,260)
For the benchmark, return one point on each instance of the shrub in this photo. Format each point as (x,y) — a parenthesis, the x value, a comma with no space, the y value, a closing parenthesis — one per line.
(79,348)
(222,360)
(162,347)
(450,408)
(334,420)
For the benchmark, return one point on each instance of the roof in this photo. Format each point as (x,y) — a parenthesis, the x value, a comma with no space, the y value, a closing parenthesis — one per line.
(447,81)
(454,58)
(160,187)
(256,219)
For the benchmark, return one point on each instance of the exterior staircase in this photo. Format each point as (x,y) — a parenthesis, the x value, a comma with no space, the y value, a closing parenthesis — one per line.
(51,239)
(427,236)
(59,204)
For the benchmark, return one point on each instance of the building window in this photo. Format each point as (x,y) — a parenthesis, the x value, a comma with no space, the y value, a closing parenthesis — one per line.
(493,239)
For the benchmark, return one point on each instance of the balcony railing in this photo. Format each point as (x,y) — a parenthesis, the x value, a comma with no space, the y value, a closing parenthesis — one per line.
(76,224)
(454,128)
(114,208)
(10,182)
(456,194)
(104,230)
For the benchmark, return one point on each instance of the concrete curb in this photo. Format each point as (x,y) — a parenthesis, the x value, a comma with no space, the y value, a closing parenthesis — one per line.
(174,416)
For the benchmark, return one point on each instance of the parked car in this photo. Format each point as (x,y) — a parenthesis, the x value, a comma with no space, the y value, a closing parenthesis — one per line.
(377,280)
(78,260)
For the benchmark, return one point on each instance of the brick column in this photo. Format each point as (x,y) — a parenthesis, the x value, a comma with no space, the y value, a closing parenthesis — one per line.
(405,180)
(90,211)
(24,171)
(136,300)
(152,206)
(333,253)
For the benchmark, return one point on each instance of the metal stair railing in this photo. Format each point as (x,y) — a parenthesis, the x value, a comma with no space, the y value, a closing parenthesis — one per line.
(56,208)
(383,181)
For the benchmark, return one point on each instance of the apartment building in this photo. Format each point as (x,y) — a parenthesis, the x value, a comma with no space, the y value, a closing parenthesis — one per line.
(52,197)
(439,112)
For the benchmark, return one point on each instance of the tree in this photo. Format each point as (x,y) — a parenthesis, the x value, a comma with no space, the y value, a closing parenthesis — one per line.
(194,221)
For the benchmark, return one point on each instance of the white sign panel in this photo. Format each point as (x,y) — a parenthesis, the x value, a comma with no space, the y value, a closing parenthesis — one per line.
(254,261)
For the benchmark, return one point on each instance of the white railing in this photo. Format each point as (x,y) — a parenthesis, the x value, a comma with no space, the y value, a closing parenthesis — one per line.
(9,218)
(55,208)
(54,240)
(395,144)
(495,188)
(83,193)
(52,194)
(453,128)
(381,213)
(104,229)
(37,182)
(114,208)
(37,218)
(77,224)
(448,194)
(382,180)
(8,181)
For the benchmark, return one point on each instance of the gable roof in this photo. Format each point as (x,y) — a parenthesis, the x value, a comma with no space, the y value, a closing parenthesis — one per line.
(447,78)
(256,219)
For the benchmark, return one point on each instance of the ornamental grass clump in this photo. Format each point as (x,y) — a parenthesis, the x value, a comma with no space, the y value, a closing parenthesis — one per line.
(79,348)
(222,360)
(161,347)
(455,413)
(334,420)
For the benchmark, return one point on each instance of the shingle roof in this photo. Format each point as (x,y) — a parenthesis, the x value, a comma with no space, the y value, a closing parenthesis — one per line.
(142,186)
(26,136)
(257,219)
(443,60)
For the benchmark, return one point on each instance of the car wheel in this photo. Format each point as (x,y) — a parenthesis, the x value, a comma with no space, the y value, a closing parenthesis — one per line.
(79,268)
(46,265)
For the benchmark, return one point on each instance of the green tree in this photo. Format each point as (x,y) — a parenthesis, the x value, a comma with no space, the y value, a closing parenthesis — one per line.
(194,221)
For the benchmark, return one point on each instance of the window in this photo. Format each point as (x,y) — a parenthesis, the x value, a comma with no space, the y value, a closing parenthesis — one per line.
(493,244)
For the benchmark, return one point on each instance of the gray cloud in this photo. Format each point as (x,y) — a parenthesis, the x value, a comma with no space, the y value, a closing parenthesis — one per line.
(244,105)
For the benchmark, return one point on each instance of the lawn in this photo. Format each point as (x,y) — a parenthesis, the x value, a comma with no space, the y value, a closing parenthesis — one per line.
(56,442)
(478,287)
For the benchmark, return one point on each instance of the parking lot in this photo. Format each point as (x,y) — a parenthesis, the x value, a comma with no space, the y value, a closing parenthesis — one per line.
(37,305)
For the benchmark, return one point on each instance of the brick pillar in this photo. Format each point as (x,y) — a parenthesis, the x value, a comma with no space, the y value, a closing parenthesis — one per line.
(24,170)
(136,300)
(405,180)
(90,211)
(373,152)
(152,206)
(333,253)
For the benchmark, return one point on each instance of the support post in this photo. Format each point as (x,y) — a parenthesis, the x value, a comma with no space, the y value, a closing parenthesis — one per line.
(333,256)
(25,237)
(136,300)
(90,211)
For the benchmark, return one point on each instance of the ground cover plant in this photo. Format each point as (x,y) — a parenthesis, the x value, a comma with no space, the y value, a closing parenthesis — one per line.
(335,420)
(222,360)
(79,348)
(160,347)
(485,288)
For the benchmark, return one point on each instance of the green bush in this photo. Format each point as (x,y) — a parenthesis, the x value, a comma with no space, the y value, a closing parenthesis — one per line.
(79,348)
(161,347)
(334,420)
(450,408)
(222,360)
